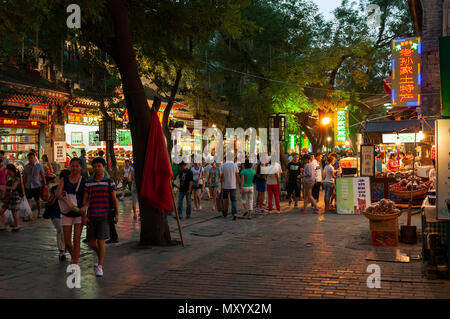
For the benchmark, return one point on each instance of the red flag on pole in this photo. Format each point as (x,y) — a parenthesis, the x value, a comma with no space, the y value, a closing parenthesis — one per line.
(155,188)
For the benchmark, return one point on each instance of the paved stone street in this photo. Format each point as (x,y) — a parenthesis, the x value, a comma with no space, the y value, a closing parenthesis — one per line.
(292,255)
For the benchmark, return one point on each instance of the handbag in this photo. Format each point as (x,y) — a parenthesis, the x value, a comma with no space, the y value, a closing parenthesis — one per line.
(44,193)
(48,211)
(72,198)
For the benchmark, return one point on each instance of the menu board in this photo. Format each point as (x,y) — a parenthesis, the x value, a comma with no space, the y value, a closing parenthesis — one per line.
(443,169)
(352,195)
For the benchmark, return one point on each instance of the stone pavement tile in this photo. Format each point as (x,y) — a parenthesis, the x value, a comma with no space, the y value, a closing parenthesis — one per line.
(298,255)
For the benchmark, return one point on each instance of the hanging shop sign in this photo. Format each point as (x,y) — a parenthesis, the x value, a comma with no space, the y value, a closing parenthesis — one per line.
(341,126)
(60,151)
(19,123)
(402,138)
(443,168)
(406,71)
(367,160)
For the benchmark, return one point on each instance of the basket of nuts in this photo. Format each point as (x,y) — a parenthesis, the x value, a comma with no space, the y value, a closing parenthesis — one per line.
(383,210)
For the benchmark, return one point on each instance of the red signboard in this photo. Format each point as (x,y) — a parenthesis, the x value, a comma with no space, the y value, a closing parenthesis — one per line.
(19,123)
(406,72)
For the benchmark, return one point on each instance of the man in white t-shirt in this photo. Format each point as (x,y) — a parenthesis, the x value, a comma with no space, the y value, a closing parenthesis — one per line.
(229,174)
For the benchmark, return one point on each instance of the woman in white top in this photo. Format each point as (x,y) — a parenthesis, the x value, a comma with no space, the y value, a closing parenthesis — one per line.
(197,185)
(308,181)
(329,176)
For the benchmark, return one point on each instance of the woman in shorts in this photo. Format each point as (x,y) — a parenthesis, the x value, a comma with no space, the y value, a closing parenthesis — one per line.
(197,185)
(13,190)
(72,184)
(213,182)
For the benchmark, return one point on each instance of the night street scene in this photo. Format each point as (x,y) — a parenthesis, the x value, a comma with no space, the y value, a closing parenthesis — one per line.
(225,156)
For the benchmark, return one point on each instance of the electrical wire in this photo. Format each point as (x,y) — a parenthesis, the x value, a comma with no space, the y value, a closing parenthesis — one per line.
(298,85)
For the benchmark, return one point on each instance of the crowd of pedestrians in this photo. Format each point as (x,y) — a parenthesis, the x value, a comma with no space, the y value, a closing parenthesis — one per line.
(77,200)
(260,185)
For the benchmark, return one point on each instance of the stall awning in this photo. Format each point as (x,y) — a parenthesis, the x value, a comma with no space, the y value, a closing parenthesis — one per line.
(393,126)
(427,124)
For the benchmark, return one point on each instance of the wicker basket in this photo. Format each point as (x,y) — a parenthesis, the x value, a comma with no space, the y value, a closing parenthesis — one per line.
(382,217)
(419,193)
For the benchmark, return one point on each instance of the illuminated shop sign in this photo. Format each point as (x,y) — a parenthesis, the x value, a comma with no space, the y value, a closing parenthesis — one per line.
(406,71)
(341,126)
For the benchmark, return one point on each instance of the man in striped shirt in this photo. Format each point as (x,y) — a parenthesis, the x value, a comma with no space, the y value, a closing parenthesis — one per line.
(99,202)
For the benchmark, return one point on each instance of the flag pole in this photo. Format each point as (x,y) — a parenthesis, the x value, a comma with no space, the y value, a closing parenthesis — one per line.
(176,214)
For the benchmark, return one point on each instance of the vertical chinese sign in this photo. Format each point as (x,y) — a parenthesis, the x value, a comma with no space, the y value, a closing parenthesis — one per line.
(341,126)
(406,71)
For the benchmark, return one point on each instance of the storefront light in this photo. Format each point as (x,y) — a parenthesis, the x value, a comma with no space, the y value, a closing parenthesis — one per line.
(420,136)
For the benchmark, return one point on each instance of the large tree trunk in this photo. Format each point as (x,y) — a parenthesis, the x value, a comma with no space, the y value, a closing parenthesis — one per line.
(154,225)
(165,120)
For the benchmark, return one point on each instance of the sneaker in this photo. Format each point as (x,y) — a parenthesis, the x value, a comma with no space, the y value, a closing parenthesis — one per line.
(200,208)
(62,256)
(99,271)
(110,241)
(121,198)
(234,217)
(290,202)
(296,205)
(187,217)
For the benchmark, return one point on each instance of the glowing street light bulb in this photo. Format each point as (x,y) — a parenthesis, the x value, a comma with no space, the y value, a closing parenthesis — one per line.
(326,120)
(347,143)
(329,139)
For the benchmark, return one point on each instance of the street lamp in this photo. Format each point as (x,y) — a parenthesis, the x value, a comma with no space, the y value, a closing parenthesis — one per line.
(329,139)
(326,120)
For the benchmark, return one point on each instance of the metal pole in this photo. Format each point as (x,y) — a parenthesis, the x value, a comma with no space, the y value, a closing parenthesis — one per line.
(176,214)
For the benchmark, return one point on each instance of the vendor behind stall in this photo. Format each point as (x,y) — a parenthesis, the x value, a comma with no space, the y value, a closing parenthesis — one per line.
(392,165)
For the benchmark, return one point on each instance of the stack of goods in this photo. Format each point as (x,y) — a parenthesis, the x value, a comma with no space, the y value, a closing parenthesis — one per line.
(403,188)
(383,218)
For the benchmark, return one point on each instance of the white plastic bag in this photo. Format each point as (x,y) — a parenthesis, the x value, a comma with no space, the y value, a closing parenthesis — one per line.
(9,219)
(24,210)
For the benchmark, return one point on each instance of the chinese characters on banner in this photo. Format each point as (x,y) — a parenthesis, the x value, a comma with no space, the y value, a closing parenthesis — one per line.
(341,126)
(406,71)
(367,160)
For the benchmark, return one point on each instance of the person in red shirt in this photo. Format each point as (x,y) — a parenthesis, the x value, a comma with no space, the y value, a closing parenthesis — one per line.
(392,164)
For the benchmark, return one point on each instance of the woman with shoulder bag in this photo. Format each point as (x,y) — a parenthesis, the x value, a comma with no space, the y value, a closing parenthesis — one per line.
(70,198)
